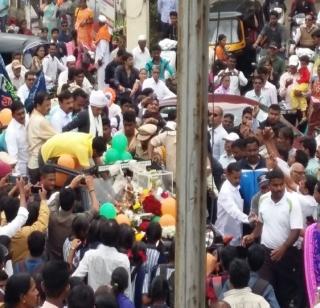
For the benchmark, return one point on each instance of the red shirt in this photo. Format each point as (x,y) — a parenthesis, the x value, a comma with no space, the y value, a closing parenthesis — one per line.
(304,75)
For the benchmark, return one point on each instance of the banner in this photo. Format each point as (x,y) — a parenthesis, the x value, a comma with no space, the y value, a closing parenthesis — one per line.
(7,91)
(39,86)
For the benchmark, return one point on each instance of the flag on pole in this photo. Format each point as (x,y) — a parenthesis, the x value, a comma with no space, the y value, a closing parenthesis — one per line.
(7,90)
(39,86)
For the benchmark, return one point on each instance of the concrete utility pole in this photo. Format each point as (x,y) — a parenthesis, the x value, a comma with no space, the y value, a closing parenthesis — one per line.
(192,153)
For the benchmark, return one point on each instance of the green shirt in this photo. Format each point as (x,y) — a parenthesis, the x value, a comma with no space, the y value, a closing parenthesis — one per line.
(164,66)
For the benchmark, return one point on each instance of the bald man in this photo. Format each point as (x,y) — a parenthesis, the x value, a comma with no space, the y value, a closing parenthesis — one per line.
(217,132)
(297,173)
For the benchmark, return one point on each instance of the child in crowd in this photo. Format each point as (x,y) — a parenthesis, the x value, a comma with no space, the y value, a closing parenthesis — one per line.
(297,94)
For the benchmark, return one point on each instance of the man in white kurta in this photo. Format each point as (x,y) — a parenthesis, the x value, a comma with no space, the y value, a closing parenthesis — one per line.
(102,57)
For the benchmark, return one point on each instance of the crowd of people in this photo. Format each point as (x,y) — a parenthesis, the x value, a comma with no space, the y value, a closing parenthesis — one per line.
(57,250)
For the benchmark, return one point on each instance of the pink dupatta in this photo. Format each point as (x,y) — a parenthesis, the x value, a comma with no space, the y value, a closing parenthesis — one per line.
(311,280)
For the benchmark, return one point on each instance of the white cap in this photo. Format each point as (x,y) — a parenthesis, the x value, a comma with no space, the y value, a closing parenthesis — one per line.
(71,58)
(231,137)
(102,19)
(293,60)
(142,37)
(98,99)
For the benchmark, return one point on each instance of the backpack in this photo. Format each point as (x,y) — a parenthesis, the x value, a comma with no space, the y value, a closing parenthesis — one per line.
(260,286)
(164,274)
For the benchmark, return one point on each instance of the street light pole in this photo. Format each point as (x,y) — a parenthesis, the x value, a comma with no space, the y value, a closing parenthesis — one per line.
(191,153)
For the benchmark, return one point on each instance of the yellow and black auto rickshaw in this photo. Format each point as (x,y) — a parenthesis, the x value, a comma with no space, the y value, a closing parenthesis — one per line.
(240,21)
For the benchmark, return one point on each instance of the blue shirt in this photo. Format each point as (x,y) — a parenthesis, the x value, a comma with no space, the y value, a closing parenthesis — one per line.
(123,301)
(163,66)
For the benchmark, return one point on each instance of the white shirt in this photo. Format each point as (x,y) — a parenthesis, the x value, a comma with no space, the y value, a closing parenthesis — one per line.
(285,92)
(225,160)
(165,7)
(308,206)
(114,110)
(98,264)
(60,119)
(17,145)
(271,89)
(159,88)
(140,57)
(244,298)
(17,82)
(16,224)
(103,52)
(279,219)
(264,98)
(217,138)
(237,79)
(63,79)
(10,71)
(230,216)
(23,93)
(51,67)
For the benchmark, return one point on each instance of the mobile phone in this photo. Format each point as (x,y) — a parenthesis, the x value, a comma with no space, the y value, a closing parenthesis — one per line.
(12,179)
(35,189)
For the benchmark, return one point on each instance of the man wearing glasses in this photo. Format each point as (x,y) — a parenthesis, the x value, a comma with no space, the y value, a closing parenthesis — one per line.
(24,90)
(303,37)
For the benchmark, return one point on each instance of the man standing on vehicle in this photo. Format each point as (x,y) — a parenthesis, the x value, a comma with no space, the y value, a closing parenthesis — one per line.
(272,32)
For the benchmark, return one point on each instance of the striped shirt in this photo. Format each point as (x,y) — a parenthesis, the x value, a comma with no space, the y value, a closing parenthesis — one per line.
(152,261)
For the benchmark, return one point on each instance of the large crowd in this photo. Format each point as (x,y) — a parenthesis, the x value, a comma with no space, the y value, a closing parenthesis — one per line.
(63,245)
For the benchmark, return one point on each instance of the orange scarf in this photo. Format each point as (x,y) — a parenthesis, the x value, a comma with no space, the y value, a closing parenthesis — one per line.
(103,34)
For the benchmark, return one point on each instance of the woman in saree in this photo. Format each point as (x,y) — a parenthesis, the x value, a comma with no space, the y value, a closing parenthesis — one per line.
(84,24)
(312,260)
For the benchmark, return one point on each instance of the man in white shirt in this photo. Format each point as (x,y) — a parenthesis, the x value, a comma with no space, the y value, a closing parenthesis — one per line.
(63,115)
(158,86)
(287,81)
(141,54)
(279,225)
(24,90)
(16,77)
(51,66)
(257,94)
(217,132)
(98,264)
(230,216)
(102,56)
(16,222)
(63,76)
(237,78)
(227,157)
(16,56)
(268,88)
(16,139)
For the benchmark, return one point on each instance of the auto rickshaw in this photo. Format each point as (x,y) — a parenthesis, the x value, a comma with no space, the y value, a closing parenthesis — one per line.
(241,21)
